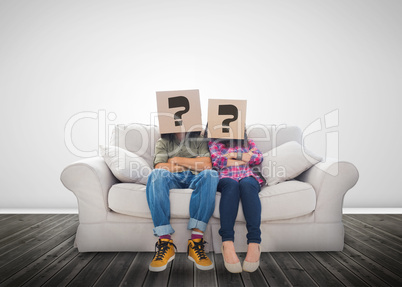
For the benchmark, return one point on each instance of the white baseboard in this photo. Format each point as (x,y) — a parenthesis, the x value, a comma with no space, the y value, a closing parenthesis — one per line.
(38,210)
(75,210)
(372,210)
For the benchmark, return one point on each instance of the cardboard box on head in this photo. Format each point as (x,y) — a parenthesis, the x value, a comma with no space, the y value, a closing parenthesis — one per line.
(179,111)
(226,118)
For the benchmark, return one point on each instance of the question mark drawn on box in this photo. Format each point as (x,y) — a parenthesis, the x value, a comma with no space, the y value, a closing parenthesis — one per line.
(228,110)
(178,102)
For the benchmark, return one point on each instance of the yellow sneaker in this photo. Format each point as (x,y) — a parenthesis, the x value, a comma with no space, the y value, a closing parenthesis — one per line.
(165,254)
(196,253)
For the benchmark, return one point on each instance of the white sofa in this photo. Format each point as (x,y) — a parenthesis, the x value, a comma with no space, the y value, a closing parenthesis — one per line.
(302,214)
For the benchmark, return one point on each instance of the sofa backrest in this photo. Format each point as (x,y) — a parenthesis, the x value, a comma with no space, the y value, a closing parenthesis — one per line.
(267,137)
(137,138)
(141,139)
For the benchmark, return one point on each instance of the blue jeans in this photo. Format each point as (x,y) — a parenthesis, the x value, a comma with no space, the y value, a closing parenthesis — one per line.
(232,192)
(202,202)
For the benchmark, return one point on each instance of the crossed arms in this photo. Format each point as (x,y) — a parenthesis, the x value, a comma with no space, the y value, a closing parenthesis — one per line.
(233,161)
(178,164)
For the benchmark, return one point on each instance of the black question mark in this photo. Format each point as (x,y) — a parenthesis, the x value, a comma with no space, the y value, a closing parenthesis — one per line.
(178,102)
(228,110)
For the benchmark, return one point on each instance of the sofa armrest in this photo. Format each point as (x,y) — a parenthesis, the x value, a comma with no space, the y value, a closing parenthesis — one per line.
(330,180)
(90,180)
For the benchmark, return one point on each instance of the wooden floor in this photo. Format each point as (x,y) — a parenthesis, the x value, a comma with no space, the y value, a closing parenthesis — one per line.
(37,250)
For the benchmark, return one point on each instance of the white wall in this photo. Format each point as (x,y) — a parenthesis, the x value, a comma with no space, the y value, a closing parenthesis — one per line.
(294,61)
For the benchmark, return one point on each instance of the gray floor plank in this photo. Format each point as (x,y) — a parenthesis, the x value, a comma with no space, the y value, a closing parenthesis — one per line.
(45,274)
(206,278)
(11,221)
(380,271)
(29,271)
(42,254)
(357,269)
(157,278)
(374,254)
(224,277)
(394,216)
(115,272)
(371,235)
(70,270)
(272,271)
(14,265)
(255,278)
(380,221)
(13,252)
(338,270)
(359,221)
(316,271)
(91,272)
(20,222)
(30,234)
(387,248)
(138,270)
(182,274)
(35,228)
(292,269)
(5,217)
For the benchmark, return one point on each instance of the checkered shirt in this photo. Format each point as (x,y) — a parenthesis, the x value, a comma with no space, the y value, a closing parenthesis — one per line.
(219,161)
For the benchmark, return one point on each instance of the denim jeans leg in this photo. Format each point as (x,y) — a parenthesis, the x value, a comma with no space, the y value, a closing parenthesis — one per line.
(249,189)
(157,190)
(228,207)
(202,202)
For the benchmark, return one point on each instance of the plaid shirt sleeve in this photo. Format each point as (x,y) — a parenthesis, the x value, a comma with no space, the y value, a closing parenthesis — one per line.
(257,157)
(217,158)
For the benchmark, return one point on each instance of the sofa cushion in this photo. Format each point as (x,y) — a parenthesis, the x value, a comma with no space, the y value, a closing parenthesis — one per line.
(137,138)
(282,201)
(267,137)
(130,199)
(126,166)
(286,161)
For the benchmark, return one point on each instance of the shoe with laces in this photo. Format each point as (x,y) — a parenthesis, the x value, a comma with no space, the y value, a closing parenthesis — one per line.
(196,253)
(165,254)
